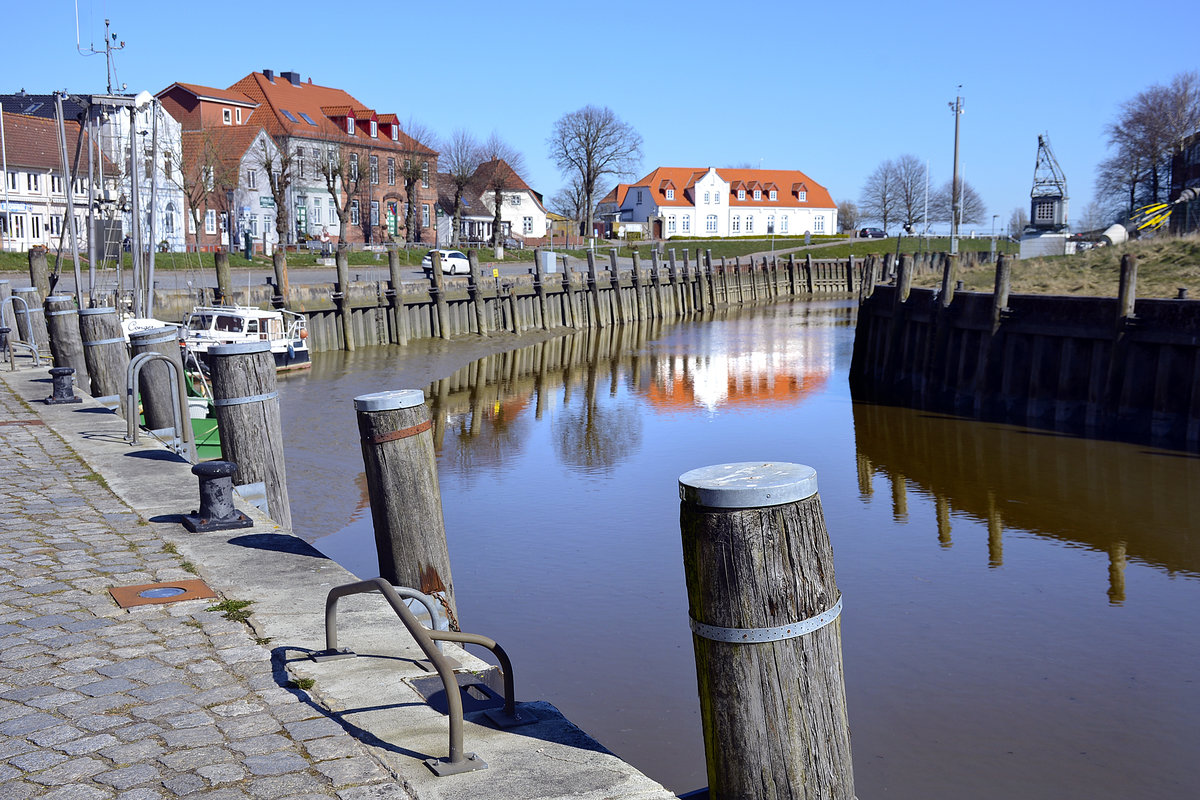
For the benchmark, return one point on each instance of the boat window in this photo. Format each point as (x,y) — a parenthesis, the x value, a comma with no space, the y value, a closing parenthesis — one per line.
(233,324)
(251,326)
(200,322)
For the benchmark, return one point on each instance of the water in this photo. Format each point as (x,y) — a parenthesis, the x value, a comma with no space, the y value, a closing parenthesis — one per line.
(1020,607)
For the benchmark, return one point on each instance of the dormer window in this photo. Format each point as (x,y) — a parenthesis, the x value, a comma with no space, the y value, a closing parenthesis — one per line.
(670,195)
(350,125)
(237,116)
(758,194)
(395,133)
(773,195)
(374,129)
(802,196)
(741,194)
(226,116)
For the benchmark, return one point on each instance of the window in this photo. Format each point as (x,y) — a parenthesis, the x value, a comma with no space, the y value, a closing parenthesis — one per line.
(710,223)
(35,227)
(783,224)
(208,178)
(79,185)
(736,227)
(252,179)
(749,224)
(391,171)
(224,222)
(527,225)
(758,194)
(741,194)
(670,195)
(354,166)
(237,116)
(307,119)
(425,215)
(56,184)
(687,224)
(316,215)
(287,114)
(706,198)
(671,223)
(331,154)
(374,129)
(818,224)
(55,226)
(33,181)
(353,212)
(374,212)
(374,169)
(771,224)
(12,181)
(425,175)
(169,219)
(254,225)
(639,196)
(166,167)
(299,162)
(18,223)
(350,125)
(210,221)
(802,196)
(227,116)
(773,194)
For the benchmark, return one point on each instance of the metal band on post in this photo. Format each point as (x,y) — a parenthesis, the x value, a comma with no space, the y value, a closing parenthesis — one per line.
(777,634)
(237,401)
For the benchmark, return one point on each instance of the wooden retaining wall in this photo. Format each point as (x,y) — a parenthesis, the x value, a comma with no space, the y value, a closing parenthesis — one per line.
(1114,368)
(667,288)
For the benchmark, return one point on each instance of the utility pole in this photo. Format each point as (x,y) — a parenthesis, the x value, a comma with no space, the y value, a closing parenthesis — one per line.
(955,189)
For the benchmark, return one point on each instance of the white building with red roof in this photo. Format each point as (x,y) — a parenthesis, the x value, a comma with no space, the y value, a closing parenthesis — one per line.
(719,202)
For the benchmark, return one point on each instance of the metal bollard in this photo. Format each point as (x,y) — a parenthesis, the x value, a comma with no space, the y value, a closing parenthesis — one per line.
(64,387)
(1182,293)
(216,500)
(4,332)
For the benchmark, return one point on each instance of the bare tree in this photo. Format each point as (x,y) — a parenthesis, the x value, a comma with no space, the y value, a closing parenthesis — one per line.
(1094,216)
(880,195)
(277,162)
(501,169)
(415,172)
(592,143)
(848,215)
(910,181)
(1018,222)
(343,175)
(202,175)
(970,209)
(461,156)
(570,200)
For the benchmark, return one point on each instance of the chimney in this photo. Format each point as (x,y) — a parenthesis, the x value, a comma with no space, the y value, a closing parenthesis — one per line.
(293,77)
(269,74)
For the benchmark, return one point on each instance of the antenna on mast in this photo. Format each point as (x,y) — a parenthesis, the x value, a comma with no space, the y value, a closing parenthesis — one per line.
(109,47)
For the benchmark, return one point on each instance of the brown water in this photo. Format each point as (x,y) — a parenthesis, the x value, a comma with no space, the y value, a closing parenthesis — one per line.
(1020,607)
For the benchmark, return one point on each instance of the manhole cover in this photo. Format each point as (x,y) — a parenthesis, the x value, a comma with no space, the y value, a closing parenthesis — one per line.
(150,593)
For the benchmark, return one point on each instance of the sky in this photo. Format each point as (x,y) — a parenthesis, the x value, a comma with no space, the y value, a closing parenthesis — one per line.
(830,89)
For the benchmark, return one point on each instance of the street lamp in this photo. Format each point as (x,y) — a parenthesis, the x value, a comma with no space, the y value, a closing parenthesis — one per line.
(955,189)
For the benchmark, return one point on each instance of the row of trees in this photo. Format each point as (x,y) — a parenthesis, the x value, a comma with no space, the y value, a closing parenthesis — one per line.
(1149,131)
(898,193)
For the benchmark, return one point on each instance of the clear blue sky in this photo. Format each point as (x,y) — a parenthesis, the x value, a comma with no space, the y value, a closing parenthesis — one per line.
(831,89)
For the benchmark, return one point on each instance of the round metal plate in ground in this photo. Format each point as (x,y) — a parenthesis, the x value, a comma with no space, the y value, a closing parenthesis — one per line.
(390,400)
(162,591)
(239,348)
(749,484)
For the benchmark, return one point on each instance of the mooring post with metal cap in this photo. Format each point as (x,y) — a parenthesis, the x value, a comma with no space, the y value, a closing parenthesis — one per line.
(155,379)
(246,401)
(765,609)
(66,345)
(105,353)
(402,483)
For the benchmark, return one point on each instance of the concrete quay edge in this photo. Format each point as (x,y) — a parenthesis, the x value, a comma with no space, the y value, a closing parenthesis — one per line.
(288,580)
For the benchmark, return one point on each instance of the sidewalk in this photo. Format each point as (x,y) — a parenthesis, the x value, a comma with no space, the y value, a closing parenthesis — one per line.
(174,700)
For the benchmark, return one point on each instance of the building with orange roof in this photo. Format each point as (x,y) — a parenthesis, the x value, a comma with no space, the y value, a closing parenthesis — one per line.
(323,130)
(719,202)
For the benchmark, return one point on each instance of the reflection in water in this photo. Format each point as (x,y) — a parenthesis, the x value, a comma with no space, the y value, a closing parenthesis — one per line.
(982,659)
(1133,503)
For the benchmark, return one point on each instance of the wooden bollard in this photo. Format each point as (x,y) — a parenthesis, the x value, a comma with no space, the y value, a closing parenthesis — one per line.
(1127,290)
(246,401)
(282,289)
(156,379)
(341,298)
(475,289)
(402,482)
(395,298)
(539,288)
(105,353)
(765,609)
(224,277)
(31,321)
(1000,291)
(438,290)
(949,280)
(62,326)
(39,270)
(594,291)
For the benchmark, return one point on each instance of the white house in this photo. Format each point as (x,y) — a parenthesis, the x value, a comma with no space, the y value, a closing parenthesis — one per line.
(683,201)
(522,215)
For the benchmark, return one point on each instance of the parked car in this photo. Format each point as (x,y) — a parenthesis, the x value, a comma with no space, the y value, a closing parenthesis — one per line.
(453,262)
(872,233)
(513,244)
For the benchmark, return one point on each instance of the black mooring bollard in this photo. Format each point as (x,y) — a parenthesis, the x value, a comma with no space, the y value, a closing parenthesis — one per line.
(64,387)
(216,500)
(4,332)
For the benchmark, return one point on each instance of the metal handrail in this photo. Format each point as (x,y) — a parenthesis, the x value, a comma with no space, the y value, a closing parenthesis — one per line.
(425,638)
(12,359)
(12,300)
(179,413)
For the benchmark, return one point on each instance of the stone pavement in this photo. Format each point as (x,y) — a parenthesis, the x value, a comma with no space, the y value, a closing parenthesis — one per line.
(157,701)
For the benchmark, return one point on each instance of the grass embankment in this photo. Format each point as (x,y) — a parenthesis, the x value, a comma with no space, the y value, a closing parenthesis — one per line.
(1165,264)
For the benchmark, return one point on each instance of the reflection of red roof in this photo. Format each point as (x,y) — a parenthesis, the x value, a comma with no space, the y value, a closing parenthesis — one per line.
(741,390)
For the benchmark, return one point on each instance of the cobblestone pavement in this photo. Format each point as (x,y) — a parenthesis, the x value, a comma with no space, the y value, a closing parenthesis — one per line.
(160,701)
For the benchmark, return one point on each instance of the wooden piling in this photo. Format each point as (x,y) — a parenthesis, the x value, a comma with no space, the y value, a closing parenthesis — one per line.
(614,284)
(224,277)
(1127,292)
(638,290)
(395,298)
(62,325)
(246,401)
(1000,292)
(282,289)
(39,275)
(594,291)
(402,483)
(539,288)
(765,608)
(104,353)
(341,297)
(31,320)
(155,378)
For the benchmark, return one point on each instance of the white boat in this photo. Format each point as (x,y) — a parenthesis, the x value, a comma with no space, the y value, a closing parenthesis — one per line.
(287,332)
